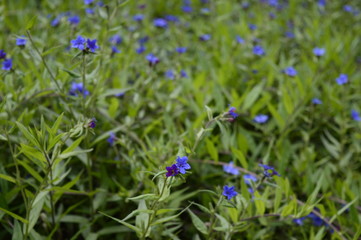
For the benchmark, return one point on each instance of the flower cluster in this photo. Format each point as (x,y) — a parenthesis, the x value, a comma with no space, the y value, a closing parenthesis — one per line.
(231,169)
(229,192)
(269,171)
(84,45)
(180,167)
(8,63)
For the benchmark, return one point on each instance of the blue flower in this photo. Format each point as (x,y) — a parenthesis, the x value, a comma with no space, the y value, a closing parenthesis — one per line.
(232,112)
(316,101)
(2,54)
(89,11)
(272,15)
(172,171)
(258,50)
(7,64)
(229,168)
(183,74)
(316,220)
(248,178)
(269,171)
(169,74)
(290,71)
(160,22)
(74,19)
(319,51)
(111,138)
(87,2)
(322,3)
(181,49)
(153,60)
(187,9)
(299,221)
(289,34)
(261,118)
(205,37)
(115,49)
(355,115)
(239,40)
(116,39)
(229,192)
(78,88)
(78,43)
(55,22)
(252,27)
(21,41)
(140,50)
(348,8)
(171,18)
(205,10)
(182,164)
(143,40)
(138,17)
(273,3)
(92,45)
(92,123)
(342,79)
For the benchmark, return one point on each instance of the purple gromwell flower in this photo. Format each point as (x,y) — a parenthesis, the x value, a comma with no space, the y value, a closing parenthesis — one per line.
(92,123)
(152,59)
(232,112)
(230,168)
(78,43)
(74,20)
(172,171)
(342,79)
(290,71)
(205,37)
(92,45)
(160,23)
(181,49)
(355,115)
(169,74)
(248,178)
(115,39)
(316,101)
(7,64)
(21,41)
(239,40)
(77,88)
(258,50)
(269,171)
(2,54)
(319,51)
(182,164)
(112,138)
(261,118)
(229,192)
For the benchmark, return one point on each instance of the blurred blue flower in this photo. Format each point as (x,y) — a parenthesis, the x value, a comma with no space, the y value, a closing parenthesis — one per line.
(290,71)
(92,45)
(77,88)
(140,50)
(261,118)
(252,27)
(355,115)
(89,11)
(205,10)
(269,171)
(245,5)
(171,18)
(7,64)
(322,3)
(248,178)
(229,192)
(172,171)
(182,164)
(87,2)
(78,43)
(316,101)
(299,221)
(115,50)
(342,79)
(273,3)
(100,4)
(112,138)
(138,17)
(153,60)
(205,37)
(316,220)
(169,74)
(289,34)
(160,22)
(2,54)
(272,15)
(181,49)
(348,8)
(232,112)
(115,39)
(229,168)
(239,40)
(92,123)
(55,22)
(258,50)
(74,19)
(121,94)
(187,9)
(143,40)
(21,41)
(319,51)
(183,74)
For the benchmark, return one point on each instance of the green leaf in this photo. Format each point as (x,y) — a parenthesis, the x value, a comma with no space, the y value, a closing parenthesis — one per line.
(14,215)
(36,208)
(28,135)
(198,223)
(31,22)
(240,157)
(17,234)
(134,228)
(144,196)
(212,150)
(33,173)
(339,212)
(7,178)
(260,205)
(252,96)
(74,153)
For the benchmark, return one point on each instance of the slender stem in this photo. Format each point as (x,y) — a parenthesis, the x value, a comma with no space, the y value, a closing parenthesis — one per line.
(44,62)
(50,169)
(213,218)
(151,216)
(84,80)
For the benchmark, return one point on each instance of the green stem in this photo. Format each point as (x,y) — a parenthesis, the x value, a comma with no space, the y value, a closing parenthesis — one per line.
(50,171)
(84,81)
(213,218)
(151,216)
